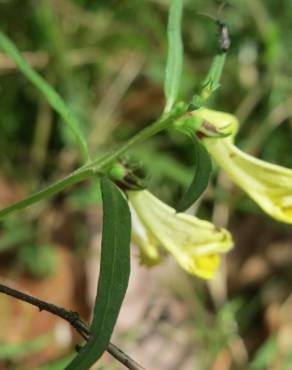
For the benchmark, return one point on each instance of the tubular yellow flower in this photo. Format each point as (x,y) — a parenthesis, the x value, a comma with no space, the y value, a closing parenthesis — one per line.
(269,185)
(194,243)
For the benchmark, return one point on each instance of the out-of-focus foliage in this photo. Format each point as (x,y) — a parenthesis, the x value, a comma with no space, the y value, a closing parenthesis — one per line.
(107,60)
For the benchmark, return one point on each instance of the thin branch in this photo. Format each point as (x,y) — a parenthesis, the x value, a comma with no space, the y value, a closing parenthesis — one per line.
(74,320)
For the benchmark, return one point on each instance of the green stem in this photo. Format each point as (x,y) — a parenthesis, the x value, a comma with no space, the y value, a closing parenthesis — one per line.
(161,124)
(100,164)
(77,176)
(211,82)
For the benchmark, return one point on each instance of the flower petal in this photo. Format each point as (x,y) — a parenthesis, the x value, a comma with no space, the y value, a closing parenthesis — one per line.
(149,254)
(194,243)
(204,266)
(269,185)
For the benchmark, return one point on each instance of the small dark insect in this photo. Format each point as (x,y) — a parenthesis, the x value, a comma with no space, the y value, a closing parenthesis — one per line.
(224,39)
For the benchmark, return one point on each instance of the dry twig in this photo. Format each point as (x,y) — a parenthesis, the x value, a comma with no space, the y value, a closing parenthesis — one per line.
(74,320)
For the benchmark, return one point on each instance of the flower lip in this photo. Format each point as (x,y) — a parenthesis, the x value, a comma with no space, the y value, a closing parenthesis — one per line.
(195,244)
(269,185)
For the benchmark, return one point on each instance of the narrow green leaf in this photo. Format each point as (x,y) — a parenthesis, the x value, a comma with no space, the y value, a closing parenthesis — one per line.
(52,96)
(266,354)
(212,81)
(201,178)
(114,274)
(175,54)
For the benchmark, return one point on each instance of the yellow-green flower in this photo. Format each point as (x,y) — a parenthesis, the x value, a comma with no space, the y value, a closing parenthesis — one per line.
(194,243)
(269,185)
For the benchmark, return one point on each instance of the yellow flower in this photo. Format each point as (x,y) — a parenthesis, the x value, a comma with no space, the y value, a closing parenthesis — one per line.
(194,243)
(269,185)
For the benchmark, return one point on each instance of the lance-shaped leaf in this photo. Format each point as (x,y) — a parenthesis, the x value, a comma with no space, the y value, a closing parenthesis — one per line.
(201,178)
(175,54)
(114,275)
(52,96)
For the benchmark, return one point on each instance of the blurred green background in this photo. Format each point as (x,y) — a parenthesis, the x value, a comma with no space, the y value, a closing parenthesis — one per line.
(107,59)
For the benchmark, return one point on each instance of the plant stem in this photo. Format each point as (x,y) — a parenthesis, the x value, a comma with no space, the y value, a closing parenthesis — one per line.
(161,124)
(100,164)
(74,320)
(73,178)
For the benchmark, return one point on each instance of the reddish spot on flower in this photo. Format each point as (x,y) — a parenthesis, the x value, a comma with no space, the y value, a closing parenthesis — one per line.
(200,135)
(209,127)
